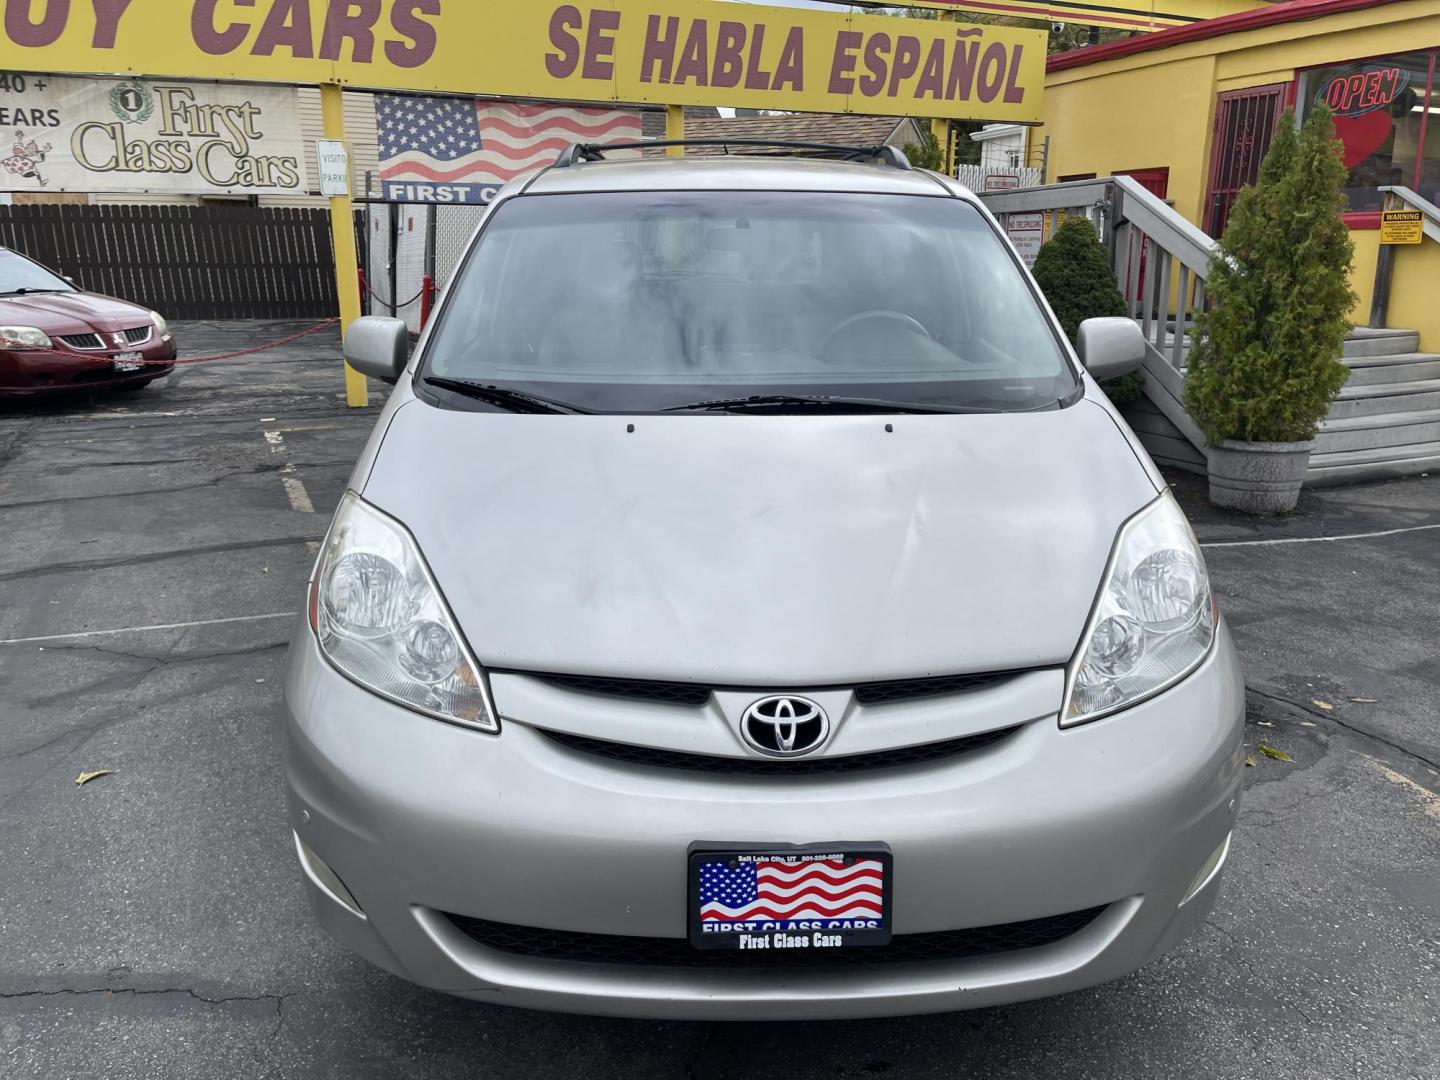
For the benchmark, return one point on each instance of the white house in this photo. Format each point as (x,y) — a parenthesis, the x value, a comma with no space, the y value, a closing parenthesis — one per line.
(1002,146)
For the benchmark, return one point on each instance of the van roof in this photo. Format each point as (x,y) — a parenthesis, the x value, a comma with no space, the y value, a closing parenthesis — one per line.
(738,173)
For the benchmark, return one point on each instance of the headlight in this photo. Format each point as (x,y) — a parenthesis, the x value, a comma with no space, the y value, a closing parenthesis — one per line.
(1154,620)
(161,326)
(19,338)
(381,621)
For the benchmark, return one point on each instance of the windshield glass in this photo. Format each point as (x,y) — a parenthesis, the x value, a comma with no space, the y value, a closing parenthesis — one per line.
(18,273)
(651,300)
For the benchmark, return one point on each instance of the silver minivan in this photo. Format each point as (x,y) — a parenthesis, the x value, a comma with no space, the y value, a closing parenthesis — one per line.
(749,607)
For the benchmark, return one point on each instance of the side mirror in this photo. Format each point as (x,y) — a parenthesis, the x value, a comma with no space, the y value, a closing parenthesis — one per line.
(1110,347)
(378,346)
(69,280)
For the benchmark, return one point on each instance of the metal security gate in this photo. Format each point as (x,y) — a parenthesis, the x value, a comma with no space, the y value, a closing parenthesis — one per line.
(1245,123)
(407,244)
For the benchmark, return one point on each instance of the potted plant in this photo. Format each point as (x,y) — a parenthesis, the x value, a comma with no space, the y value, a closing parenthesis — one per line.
(1074,273)
(1266,360)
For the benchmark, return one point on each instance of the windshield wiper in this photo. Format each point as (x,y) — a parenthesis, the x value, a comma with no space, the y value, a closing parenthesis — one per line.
(514,400)
(30,292)
(826,402)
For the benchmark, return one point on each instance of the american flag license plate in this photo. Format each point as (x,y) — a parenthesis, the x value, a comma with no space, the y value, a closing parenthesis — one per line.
(815,899)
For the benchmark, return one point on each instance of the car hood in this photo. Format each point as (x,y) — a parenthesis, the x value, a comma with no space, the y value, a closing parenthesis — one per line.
(763,550)
(72,313)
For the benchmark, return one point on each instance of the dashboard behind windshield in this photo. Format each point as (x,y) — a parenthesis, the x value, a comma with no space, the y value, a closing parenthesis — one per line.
(642,301)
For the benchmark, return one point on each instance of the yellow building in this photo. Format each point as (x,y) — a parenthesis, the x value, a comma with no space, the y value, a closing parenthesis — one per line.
(1189,113)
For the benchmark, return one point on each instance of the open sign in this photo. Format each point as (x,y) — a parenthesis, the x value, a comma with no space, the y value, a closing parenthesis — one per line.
(1363,91)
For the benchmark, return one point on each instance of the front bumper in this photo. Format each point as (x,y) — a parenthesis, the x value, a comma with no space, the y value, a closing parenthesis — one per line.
(25,374)
(418,818)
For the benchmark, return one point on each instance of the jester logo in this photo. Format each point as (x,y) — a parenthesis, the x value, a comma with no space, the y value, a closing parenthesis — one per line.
(25,158)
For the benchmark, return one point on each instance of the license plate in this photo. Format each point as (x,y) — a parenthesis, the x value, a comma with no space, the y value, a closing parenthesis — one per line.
(128,361)
(765,900)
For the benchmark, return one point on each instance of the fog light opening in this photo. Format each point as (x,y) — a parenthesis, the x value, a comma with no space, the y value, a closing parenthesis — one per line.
(1209,871)
(325,879)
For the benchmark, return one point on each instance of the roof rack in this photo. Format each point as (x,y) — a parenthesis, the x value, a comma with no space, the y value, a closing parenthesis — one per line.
(884,154)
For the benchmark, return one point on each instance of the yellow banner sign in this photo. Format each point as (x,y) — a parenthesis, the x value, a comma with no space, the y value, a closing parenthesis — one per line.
(673,52)
(1141,16)
(1402,227)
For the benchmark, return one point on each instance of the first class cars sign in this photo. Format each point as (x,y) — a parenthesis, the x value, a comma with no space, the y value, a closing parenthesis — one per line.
(677,52)
(121,135)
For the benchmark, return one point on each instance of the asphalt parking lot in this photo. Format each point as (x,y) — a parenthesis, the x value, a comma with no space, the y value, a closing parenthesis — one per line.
(152,922)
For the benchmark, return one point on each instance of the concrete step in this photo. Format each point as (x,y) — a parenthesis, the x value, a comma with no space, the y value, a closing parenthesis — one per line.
(1385,430)
(1363,341)
(1390,347)
(1402,367)
(1376,398)
(1377,463)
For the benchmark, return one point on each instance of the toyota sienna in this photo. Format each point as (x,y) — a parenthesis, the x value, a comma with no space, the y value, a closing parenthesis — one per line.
(749,607)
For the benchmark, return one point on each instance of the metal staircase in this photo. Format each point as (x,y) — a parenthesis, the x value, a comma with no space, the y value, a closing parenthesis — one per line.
(1386,421)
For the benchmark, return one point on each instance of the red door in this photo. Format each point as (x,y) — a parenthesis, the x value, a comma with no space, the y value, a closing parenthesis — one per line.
(1245,123)
(1155,181)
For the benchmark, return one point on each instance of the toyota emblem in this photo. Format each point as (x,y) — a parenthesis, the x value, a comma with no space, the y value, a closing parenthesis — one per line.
(784,726)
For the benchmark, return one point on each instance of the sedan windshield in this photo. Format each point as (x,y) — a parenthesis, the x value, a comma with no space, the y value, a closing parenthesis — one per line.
(18,275)
(676,300)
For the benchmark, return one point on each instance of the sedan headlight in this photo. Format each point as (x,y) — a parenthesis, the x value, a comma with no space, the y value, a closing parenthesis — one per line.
(381,621)
(161,326)
(20,338)
(1153,622)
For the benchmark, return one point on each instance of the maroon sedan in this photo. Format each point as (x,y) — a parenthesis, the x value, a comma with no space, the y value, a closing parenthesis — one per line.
(55,337)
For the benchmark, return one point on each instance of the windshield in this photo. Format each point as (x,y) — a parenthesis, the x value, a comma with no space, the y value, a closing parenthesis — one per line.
(19,274)
(652,300)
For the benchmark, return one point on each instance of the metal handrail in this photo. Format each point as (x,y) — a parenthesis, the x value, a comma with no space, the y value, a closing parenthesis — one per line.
(1051,197)
(1160,260)
(1159,221)
(1385,261)
(1417,202)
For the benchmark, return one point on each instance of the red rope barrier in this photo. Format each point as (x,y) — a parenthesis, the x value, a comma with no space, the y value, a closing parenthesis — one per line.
(70,354)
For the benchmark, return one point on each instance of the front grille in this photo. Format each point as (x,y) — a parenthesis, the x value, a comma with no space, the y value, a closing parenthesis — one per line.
(811,766)
(137,335)
(942,945)
(696,694)
(886,693)
(83,341)
(666,693)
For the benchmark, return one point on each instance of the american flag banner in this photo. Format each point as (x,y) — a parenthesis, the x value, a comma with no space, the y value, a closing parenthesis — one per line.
(780,894)
(460,150)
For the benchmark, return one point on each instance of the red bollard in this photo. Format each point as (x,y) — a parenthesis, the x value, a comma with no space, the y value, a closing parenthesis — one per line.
(427,300)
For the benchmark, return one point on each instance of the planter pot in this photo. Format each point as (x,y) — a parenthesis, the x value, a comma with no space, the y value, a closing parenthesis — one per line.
(1258,478)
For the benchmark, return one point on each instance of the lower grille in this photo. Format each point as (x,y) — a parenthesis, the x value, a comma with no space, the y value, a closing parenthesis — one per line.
(620,949)
(820,766)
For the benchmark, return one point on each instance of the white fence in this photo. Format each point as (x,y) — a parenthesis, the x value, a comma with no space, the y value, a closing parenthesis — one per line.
(983,178)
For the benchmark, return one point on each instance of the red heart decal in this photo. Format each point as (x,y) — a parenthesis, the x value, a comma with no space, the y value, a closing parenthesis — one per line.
(1363,135)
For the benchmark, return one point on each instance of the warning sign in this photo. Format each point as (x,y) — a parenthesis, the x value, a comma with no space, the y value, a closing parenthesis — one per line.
(1402,227)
